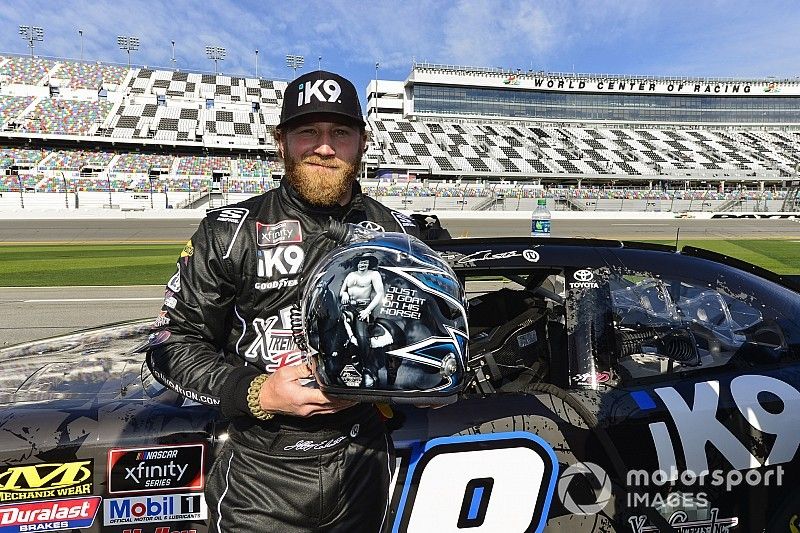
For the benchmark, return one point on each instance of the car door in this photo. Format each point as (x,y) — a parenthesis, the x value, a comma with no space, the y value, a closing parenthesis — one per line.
(705,413)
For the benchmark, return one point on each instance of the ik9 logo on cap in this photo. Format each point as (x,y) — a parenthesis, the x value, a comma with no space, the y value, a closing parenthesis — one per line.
(309,90)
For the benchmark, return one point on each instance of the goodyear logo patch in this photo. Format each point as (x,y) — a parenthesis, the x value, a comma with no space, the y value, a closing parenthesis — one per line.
(46,480)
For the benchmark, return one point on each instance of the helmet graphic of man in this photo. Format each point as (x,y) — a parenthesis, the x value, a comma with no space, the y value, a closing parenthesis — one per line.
(362,291)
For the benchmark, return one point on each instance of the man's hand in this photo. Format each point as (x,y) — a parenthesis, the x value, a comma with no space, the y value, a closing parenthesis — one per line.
(345,297)
(364,314)
(282,393)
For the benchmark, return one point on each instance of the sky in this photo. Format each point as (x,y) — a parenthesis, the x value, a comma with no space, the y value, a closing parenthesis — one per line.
(713,38)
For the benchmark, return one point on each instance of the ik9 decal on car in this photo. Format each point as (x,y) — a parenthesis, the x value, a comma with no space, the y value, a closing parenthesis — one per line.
(474,482)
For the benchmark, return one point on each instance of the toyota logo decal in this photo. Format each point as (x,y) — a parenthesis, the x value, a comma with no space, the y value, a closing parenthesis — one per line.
(370,225)
(583,275)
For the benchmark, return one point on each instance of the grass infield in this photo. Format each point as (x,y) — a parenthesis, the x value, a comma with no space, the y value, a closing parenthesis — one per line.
(32,265)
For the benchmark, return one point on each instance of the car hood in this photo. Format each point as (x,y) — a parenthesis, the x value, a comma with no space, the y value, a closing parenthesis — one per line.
(96,364)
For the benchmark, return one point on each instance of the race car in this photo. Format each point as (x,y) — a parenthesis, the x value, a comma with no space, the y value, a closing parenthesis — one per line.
(612,387)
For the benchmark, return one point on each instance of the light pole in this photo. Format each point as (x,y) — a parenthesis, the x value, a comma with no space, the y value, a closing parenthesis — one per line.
(152,180)
(256,62)
(128,44)
(80,32)
(108,179)
(216,53)
(66,191)
(21,195)
(377,66)
(173,55)
(294,62)
(32,34)
(319,62)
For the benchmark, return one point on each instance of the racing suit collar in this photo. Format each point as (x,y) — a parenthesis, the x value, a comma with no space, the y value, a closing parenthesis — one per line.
(291,198)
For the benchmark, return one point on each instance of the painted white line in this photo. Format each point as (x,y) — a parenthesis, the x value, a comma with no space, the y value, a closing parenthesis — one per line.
(56,300)
(637,224)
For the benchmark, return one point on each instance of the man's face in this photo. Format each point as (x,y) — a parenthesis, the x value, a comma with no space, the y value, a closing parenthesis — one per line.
(322,160)
(363,265)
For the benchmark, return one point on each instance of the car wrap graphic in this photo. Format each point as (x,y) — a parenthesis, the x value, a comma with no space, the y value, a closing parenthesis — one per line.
(669,395)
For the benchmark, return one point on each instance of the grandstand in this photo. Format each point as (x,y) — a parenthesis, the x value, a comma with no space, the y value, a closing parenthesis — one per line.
(445,138)
(466,121)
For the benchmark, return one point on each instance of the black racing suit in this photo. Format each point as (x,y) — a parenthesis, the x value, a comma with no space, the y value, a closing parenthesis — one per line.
(227,311)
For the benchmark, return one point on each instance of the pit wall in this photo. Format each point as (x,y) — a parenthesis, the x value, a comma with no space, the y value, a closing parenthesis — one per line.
(98,213)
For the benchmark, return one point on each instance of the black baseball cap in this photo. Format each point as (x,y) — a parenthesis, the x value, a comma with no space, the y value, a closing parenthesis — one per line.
(324,93)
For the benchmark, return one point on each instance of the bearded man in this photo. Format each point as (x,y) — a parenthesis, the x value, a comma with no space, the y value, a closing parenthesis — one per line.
(295,460)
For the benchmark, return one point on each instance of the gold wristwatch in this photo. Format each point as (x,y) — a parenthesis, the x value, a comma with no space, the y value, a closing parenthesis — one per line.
(252,398)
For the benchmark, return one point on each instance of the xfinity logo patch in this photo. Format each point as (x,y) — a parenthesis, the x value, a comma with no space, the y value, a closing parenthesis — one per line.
(313,90)
(156,468)
(285,231)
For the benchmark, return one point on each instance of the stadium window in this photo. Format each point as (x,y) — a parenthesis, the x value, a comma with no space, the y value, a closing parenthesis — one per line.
(209,103)
(102,93)
(256,107)
(54,91)
(161,100)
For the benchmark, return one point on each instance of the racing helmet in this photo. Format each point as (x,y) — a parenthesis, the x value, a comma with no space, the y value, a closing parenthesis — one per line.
(384,319)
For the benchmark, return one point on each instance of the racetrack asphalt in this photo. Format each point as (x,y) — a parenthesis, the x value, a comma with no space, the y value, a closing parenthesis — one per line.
(34,313)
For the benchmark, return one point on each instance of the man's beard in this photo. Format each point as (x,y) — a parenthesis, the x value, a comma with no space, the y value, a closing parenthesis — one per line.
(321,187)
